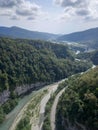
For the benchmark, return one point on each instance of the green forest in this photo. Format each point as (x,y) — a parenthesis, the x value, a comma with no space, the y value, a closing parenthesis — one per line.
(92,56)
(79,102)
(29,61)
(32,61)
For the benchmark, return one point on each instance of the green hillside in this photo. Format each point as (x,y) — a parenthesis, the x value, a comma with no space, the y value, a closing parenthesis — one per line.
(28,61)
(82,36)
(79,103)
(93,56)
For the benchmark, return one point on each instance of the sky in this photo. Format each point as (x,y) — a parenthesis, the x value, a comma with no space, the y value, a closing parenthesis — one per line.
(53,16)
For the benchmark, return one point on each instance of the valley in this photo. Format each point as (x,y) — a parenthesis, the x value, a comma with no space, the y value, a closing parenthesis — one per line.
(33,95)
(48,64)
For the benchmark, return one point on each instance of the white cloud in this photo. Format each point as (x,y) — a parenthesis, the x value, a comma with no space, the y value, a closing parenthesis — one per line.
(9,3)
(27,9)
(79,8)
(19,8)
(14,17)
(31,18)
(6,12)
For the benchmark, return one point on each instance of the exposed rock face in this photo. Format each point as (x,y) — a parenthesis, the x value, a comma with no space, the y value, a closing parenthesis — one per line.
(25,88)
(5,95)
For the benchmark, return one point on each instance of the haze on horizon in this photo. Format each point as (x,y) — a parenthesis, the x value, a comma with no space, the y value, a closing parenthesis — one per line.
(53,16)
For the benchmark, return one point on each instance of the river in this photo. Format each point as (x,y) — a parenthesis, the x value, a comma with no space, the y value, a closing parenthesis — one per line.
(12,115)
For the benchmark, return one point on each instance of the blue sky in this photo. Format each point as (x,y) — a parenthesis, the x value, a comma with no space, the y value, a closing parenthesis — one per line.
(54,16)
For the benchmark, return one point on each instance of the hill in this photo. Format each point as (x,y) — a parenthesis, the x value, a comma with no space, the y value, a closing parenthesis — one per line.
(93,56)
(83,36)
(78,106)
(16,32)
(30,61)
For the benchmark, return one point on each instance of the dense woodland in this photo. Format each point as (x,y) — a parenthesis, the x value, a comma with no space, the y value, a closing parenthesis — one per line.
(32,61)
(79,103)
(28,61)
(92,56)
(90,44)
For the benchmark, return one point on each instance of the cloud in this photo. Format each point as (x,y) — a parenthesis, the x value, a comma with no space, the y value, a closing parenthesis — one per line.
(27,9)
(19,8)
(6,13)
(31,18)
(9,3)
(71,3)
(82,12)
(14,17)
(79,8)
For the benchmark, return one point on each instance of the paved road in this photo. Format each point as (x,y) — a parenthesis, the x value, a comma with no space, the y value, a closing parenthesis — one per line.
(53,109)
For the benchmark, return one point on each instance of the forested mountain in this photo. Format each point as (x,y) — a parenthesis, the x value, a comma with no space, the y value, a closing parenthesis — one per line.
(93,56)
(78,106)
(90,45)
(83,36)
(29,61)
(88,38)
(16,32)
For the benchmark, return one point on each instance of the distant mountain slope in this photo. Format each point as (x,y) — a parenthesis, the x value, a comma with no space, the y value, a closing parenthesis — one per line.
(93,56)
(16,32)
(87,35)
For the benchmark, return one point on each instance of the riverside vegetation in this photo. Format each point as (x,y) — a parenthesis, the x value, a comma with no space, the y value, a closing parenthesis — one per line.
(31,61)
(31,113)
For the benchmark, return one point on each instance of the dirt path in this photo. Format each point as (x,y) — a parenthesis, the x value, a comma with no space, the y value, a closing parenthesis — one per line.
(53,109)
(51,89)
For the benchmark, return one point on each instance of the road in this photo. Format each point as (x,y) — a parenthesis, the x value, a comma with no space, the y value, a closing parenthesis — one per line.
(53,109)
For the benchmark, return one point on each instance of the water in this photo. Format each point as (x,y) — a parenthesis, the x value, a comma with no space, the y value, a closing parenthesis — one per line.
(11,116)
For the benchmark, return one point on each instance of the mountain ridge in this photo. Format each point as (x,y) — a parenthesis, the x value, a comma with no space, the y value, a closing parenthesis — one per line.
(17,32)
(80,36)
